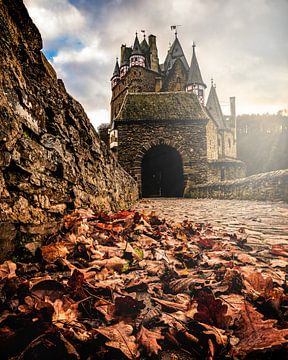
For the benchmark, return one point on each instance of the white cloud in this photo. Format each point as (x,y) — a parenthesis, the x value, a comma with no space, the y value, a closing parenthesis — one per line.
(243,45)
(55,18)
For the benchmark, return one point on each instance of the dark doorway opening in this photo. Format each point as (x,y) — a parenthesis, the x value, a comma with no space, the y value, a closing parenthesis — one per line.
(162,172)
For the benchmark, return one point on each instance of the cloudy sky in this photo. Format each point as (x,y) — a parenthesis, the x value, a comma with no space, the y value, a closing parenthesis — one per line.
(243,45)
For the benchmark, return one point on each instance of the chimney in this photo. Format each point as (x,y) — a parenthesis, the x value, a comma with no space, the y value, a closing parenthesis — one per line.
(232,107)
(154,60)
(123,47)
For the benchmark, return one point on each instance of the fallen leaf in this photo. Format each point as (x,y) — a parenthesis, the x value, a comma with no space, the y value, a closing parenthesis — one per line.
(211,311)
(120,337)
(53,252)
(7,270)
(148,339)
(255,333)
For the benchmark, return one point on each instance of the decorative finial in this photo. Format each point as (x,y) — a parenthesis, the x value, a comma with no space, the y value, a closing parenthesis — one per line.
(193,45)
(143,32)
(212,81)
(174,27)
(136,33)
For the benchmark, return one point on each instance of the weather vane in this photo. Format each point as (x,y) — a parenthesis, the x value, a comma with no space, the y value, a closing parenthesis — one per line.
(174,27)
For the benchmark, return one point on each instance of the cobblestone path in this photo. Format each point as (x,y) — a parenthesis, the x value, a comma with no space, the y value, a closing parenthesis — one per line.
(264,223)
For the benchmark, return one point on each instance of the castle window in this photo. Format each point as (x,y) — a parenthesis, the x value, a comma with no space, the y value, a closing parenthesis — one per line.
(229,143)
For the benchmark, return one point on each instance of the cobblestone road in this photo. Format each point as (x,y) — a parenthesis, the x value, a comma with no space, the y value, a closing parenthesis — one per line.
(265,223)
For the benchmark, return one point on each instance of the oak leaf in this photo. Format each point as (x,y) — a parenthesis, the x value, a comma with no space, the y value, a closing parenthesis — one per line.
(211,311)
(149,339)
(255,333)
(120,337)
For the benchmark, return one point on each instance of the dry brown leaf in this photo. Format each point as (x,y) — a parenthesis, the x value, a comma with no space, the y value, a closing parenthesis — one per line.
(255,333)
(149,339)
(53,252)
(7,269)
(171,305)
(120,337)
(64,312)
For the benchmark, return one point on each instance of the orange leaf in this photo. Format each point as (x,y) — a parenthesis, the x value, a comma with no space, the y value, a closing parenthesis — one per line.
(255,333)
(149,339)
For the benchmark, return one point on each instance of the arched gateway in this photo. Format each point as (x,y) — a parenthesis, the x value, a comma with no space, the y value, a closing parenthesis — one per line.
(162,172)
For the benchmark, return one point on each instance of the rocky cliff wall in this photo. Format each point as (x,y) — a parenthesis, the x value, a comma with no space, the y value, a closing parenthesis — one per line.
(271,186)
(51,159)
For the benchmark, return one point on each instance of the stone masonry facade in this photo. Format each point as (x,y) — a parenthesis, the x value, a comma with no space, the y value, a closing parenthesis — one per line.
(161,107)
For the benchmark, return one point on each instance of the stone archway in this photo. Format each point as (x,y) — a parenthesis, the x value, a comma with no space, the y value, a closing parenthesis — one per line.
(162,172)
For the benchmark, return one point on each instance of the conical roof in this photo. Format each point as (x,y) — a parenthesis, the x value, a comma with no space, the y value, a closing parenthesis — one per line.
(136,47)
(144,46)
(116,71)
(126,55)
(214,108)
(194,75)
(175,52)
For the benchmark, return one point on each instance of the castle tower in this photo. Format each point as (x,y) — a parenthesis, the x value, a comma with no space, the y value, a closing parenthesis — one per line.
(116,75)
(137,57)
(146,51)
(124,61)
(154,60)
(195,82)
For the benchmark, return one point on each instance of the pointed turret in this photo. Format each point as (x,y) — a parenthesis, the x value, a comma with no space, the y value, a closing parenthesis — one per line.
(195,82)
(214,108)
(137,58)
(125,56)
(175,52)
(146,51)
(194,75)
(116,75)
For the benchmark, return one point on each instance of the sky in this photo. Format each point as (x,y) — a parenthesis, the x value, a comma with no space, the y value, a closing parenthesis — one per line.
(243,45)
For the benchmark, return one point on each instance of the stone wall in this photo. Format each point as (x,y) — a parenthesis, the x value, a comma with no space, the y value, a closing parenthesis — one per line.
(266,186)
(137,79)
(189,139)
(51,159)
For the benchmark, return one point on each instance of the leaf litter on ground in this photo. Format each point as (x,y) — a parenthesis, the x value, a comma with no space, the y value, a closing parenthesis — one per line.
(130,285)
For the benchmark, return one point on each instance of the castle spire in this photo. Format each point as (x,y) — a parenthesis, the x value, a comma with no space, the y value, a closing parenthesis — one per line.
(116,71)
(136,47)
(213,106)
(137,57)
(116,75)
(175,52)
(194,75)
(195,82)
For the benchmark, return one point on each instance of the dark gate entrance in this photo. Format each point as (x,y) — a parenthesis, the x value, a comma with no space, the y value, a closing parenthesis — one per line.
(162,172)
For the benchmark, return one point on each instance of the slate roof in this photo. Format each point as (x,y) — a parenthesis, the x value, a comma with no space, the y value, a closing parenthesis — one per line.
(194,75)
(214,108)
(174,53)
(126,56)
(116,71)
(136,47)
(161,106)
